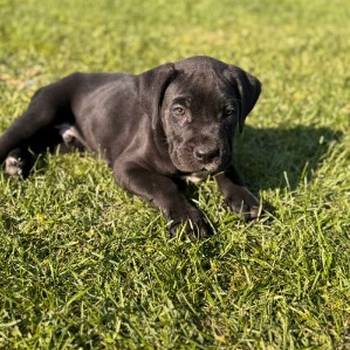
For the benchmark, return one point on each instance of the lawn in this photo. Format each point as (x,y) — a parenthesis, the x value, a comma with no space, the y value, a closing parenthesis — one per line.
(83,264)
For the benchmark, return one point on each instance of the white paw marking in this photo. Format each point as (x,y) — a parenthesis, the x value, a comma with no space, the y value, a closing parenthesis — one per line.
(68,133)
(13,166)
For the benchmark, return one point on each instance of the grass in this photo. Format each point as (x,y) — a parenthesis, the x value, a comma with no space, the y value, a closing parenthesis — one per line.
(85,265)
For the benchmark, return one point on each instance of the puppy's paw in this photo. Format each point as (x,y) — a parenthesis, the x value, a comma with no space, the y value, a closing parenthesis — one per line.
(245,204)
(193,222)
(14,166)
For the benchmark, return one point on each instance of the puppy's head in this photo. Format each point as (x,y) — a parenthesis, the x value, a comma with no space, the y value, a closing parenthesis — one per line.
(198,103)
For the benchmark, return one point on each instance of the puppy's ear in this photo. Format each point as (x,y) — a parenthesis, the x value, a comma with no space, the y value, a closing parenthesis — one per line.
(152,85)
(248,88)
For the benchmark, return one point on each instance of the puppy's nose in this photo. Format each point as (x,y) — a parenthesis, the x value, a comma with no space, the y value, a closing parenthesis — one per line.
(206,155)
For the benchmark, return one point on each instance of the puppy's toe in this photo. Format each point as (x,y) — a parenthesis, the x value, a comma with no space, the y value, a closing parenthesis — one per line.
(192,230)
(13,166)
(194,225)
(199,230)
(253,214)
(245,211)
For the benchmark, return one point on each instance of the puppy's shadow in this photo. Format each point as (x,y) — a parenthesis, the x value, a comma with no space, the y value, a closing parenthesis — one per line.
(270,158)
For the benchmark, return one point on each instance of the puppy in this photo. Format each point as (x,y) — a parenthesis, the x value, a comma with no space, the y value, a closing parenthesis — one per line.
(176,121)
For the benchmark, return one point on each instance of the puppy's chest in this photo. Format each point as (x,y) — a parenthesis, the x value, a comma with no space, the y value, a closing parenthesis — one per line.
(195,177)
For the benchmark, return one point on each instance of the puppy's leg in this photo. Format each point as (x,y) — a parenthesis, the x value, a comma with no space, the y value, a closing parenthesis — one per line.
(21,159)
(24,130)
(163,193)
(35,130)
(71,139)
(19,162)
(236,195)
(50,106)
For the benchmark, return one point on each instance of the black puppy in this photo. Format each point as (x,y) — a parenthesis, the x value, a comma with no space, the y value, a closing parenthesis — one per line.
(173,122)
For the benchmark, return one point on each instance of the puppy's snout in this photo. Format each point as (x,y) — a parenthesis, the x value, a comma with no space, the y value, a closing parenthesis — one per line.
(206,155)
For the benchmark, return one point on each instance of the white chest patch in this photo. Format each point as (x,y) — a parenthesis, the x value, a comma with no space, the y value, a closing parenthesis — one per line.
(195,177)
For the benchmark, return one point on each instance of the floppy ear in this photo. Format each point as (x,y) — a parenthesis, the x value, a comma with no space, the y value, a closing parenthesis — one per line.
(248,88)
(152,85)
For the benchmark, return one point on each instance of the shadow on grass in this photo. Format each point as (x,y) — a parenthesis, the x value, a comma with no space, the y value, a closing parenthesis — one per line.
(265,157)
(262,156)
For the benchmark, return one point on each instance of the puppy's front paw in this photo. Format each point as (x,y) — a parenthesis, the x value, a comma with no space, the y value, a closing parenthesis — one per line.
(196,226)
(244,203)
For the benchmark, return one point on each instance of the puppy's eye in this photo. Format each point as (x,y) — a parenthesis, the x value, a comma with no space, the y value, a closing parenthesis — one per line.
(178,111)
(228,112)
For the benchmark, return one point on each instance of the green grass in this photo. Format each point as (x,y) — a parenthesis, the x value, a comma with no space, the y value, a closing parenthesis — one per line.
(85,265)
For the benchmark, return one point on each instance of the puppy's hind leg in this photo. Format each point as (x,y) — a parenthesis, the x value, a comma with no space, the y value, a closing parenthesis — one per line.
(19,162)
(64,138)
(39,115)
(21,159)
(35,129)
(71,139)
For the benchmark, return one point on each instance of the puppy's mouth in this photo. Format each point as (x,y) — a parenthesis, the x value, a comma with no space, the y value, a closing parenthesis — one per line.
(198,176)
(214,169)
(219,164)
(202,170)
(188,164)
